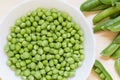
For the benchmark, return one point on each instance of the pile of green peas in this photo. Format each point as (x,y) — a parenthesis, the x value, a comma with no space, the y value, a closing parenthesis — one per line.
(45,45)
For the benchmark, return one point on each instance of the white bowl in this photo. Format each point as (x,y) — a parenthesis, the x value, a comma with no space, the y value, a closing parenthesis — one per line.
(21,9)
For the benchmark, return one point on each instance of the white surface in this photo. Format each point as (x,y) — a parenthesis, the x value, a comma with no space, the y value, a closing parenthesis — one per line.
(83,72)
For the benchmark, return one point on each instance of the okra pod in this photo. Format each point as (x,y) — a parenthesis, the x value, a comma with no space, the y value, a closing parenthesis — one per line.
(105,13)
(117,66)
(116,54)
(101,71)
(90,4)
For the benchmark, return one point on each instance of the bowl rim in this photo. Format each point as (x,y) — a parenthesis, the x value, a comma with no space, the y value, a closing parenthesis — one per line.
(68,4)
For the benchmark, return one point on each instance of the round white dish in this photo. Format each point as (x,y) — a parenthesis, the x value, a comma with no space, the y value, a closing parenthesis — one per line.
(21,9)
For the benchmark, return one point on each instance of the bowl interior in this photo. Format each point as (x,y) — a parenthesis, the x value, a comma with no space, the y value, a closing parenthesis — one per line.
(26,6)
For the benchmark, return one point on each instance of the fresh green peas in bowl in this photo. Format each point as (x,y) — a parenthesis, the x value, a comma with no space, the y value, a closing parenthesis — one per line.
(46,40)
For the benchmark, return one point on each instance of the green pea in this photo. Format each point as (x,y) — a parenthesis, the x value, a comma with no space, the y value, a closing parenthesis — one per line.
(12,47)
(63,63)
(48,57)
(40,51)
(66,74)
(48,77)
(52,27)
(43,57)
(38,29)
(37,75)
(37,18)
(67,49)
(76,47)
(54,15)
(51,63)
(18,22)
(49,73)
(36,47)
(102,76)
(22,25)
(32,65)
(26,55)
(40,14)
(42,72)
(60,77)
(49,18)
(37,57)
(56,22)
(64,24)
(23,63)
(18,72)
(70,60)
(45,43)
(9,63)
(27,72)
(47,69)
(35,24)
(61,59)
(30,77)
(55,61)
(82,57)
(17,29)
(55,76)
(28,61)
(72,73)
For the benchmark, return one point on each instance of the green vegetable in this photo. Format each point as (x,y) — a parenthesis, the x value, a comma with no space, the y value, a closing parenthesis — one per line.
(100,7)
(89,5)
(115,15)
(105,25)
(117,39)
(106,1)
(98,27)
(109,2)
(116,54)
(117,66)
(115,27)
(101,71)
(105,13)
(45,45)
(109,50)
